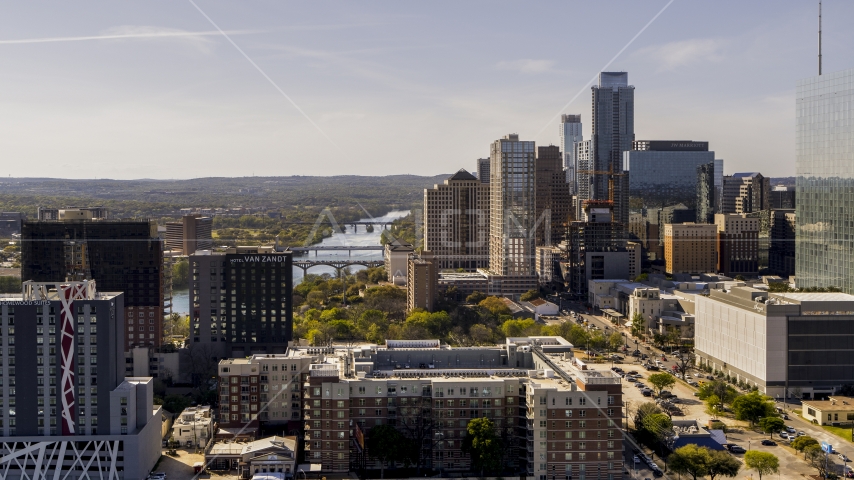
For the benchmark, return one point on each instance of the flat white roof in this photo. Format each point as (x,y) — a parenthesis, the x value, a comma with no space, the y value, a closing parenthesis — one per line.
(818,296)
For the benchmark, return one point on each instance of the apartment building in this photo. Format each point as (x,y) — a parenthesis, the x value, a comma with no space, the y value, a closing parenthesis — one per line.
(553,201)
(554,416)
(262,388)
(422,281)
(193,232)
(690,248)
(738,244)
(395,256)
(456,222)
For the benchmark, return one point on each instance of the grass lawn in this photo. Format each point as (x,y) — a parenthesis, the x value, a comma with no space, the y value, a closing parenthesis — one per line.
(841,432)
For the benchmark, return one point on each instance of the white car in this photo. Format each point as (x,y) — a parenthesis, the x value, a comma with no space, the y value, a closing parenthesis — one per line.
(698,375)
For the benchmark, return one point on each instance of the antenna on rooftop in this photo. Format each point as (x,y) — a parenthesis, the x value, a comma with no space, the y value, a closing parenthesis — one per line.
(819,37)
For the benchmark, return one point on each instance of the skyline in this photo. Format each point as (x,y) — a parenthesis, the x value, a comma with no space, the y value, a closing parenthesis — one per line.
(156,91)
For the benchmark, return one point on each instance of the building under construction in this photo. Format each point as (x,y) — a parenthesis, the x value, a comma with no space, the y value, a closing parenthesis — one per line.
(594,249)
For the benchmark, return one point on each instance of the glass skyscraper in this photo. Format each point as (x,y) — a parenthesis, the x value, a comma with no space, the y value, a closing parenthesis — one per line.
(570,134)
(824,255)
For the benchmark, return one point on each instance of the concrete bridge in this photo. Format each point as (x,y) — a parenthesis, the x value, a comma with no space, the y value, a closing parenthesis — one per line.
(336,264)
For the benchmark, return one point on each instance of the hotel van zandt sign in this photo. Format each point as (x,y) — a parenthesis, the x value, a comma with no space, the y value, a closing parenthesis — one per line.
(260,259)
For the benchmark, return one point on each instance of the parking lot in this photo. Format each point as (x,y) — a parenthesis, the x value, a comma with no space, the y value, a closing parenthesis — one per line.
(180,467)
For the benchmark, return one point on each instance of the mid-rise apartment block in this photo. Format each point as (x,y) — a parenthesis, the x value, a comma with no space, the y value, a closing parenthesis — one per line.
(690,248)
(746,193)
(262,389)
(456,222)
(193,232)
(554,416)
(422,281)
(395,256)
(241,301)
(738,244)
(121,255)
(78,414)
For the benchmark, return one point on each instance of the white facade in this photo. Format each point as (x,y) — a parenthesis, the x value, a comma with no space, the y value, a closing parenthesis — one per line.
(193,427)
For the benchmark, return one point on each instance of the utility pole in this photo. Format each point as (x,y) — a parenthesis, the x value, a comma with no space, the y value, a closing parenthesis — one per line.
(819,37)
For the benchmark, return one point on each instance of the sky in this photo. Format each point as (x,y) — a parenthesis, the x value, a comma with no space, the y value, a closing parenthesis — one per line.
(199,88)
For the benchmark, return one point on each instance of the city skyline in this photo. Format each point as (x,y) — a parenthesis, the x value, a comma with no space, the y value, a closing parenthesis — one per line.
(162,91)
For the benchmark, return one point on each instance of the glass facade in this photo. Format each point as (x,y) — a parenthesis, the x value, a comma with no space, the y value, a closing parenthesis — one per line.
(659,178)
(512,213)
(825,181)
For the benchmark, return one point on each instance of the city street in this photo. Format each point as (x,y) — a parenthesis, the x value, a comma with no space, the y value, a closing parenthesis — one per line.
(791,464)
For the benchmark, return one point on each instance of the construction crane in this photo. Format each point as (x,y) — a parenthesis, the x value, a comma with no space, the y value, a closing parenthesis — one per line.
(611,176)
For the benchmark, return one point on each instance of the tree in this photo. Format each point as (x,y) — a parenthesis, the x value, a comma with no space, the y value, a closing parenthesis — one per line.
(722,464)
(520,328)
(763,462)
(770,425)
(495,306)
(638,324)
(689,460)
(529,295)
(480,334)
(181,273)
(816,458)
(176,403)
(385,444)
(475,298)
(685,363)
(657,427)
(802,442)
(482,444)
(661,381)
(713,405)
(752,407)
(644,409)
(176,324)
(725,392)
(615,341)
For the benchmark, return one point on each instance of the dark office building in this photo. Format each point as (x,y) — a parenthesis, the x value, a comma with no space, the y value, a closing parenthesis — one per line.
(242,301)
(120,255)
(781,253)
(782,197)
(552,196)
(706,193)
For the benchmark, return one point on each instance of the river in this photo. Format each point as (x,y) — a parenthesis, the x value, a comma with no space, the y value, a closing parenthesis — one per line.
(181,298)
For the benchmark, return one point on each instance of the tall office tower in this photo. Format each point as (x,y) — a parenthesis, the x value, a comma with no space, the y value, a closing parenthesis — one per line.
(595,249)
(690,248)
(664,172)
(241,301)
(121,255)
(706,193)
(193,232)
(612,133)
(782,197)
(719,184)
(583,167)
(738,244)
(78,416)
(746,193)
(456,222)
(554,204)
(512,213)
(483,170)
(570,134)
(825,180)
(781,254)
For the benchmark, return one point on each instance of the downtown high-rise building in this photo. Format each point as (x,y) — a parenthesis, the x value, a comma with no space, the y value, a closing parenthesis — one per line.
(612,133)
(456,222)
(512,208)
(824,166)
(570,134)
(746,193)
(483,170)
(554,203)
(121,255)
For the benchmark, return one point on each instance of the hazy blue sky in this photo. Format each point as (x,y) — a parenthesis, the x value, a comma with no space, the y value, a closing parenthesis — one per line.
(151,89)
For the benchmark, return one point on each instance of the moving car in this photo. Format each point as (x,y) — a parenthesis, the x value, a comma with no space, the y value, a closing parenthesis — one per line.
(769,443)
(736,449)
(843,457)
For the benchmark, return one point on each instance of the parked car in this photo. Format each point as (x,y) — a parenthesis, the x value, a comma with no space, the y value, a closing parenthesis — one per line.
(646,392)
(657,473)
(693,383)
(790,429)
(736,449)
(801,433)
(770,443)
(633,372)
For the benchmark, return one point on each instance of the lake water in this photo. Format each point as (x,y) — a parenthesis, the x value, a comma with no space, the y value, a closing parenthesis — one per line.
(181,298)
